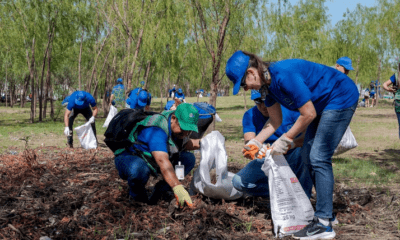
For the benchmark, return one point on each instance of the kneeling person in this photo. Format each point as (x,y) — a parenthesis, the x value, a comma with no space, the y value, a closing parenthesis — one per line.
(251,179)
(79,102)
(160,139)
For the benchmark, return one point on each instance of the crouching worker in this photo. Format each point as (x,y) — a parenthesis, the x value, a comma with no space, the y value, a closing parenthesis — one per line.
(159,144)
(251,180)
(79,102)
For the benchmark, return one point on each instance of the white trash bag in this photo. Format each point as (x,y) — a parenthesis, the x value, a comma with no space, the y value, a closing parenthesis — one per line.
(86,136)
(213,155)
(291,209)
(111,114)
(348,142)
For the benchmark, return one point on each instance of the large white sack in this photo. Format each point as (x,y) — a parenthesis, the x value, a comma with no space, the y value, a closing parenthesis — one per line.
(113,111)
(291,209)
(86,136)
(213,155)
(348,142)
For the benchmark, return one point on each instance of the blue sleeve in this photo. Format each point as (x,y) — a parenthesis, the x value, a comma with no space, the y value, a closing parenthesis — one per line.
(155,138)
(293,84)
(393,79)
(91,100)
(269,101)
(71,104)
(113,90)
(247,122)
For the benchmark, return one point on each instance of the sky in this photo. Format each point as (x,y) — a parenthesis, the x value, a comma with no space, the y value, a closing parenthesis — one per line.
(336,8)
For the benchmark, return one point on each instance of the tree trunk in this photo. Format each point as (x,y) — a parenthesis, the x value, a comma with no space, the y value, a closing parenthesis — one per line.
(105,98)
(24,90)
(146,74)
(51,102)
(358,65)
(139,41)
(379,78)
(7,88)
(32,77)
(79,61)
(47,83)
(89,85)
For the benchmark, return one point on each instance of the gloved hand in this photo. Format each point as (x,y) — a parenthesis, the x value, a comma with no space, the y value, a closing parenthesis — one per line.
(251,149)
(282,145)
(91,120)
(67,132)
(182,196)
(263,151)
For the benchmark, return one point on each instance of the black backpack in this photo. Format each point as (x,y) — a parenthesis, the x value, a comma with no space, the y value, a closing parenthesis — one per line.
(121,126)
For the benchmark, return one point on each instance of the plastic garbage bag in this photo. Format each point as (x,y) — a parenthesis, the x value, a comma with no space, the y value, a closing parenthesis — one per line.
(348,142)
(213,155)
(217,118)
(291,209)
(86,136)
(111,114)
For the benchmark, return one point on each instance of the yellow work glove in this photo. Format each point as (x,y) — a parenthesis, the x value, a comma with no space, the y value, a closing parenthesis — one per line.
(182,196)
(250,150)
(282,145)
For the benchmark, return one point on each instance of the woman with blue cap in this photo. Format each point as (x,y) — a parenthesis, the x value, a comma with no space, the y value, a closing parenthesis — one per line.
(326,100)
(179,95)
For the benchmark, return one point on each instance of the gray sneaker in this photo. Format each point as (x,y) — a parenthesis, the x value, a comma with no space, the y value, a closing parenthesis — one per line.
(315,230)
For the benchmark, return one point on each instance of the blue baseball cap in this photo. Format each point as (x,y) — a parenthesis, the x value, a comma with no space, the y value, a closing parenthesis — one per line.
(180,90)
(142,82)
(142,98)
(119,80)
(80,98)
(345,62)
(236,68)
(255,94)
(169,104)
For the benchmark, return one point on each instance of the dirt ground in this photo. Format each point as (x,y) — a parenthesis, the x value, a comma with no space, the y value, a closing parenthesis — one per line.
(77,194)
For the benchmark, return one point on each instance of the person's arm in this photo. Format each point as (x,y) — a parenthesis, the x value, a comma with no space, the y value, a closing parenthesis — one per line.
(273,123)
(166,168)
(248,136)
(95,111)
(298,142)
(111,98)
(66,117)
(192,144)
(307,115)
(387,88)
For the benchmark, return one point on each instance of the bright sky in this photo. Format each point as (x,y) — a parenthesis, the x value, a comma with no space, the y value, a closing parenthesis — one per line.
(336,8)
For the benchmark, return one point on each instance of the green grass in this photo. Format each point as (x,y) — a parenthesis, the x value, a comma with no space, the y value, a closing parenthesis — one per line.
(374,162)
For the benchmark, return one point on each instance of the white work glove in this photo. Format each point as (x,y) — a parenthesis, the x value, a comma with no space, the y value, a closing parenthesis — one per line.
(282,145)
(67,132)
(263,151)
(251,149)
(91,120)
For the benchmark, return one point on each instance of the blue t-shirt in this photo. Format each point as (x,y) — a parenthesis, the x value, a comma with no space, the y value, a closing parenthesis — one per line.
(296,81)
(393,79)
(180,96)
(65,101)
(119,93)
(132,100)
(254,121)
(88,101)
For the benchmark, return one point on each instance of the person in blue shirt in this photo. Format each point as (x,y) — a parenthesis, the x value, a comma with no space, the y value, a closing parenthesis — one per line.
(372,94)
(139,99)
(79,103)
(251,179)
(326,100)
(393,85)
(179,95)
(343,65)
(161,148)
(64,103)
(118,93)
(172,92)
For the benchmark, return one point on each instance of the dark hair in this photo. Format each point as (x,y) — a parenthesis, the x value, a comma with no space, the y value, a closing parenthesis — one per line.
(256,62)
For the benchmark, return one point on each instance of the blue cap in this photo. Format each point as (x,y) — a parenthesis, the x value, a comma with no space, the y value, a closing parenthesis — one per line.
(119,80)
(142,98)
(345,62)
(80,98)
(180,90)
(255,94)
(169,104)
(142,82)
(236,68)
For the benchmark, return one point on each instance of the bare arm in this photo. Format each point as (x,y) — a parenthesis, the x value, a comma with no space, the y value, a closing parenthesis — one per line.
(66,117)
(111,98)
(193,144)
(307,115)
(167,170)
(387,88)
(248,136)
(95,111)
(273,123)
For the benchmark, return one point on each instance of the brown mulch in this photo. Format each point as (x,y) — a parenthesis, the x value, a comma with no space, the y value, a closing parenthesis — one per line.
(76,193)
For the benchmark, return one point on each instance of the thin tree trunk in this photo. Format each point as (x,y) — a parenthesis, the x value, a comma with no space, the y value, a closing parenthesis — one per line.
(47,83)
(146,74)
(79,62)
(379,78)
(358,65)
(24,90)
(105,100)
(7,88)
(32,77)
(139,41)
(89,86)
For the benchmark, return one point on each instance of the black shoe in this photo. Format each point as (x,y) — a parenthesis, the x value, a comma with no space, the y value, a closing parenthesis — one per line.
(315,230)
(161,191)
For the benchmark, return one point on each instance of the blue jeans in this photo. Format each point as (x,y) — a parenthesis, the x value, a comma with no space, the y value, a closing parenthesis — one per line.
(135,170)
(253,181)
(322,137)
(398,120)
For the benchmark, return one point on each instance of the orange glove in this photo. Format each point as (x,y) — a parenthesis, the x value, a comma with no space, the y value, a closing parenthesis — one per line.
(250,150)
